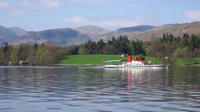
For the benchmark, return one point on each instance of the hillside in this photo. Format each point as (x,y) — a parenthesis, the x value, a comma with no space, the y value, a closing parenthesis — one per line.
(61,37)
(93,32)
(176,30)
(141,28)
(6,34)
(18,31)
(69,36)
(131,32)
(154,33)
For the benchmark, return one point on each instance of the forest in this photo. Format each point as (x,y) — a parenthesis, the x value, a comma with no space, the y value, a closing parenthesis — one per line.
(187,46)
(30,54)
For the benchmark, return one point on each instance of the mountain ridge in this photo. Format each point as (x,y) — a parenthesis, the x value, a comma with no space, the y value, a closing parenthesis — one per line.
(62,37)
(136,28)
(74,36)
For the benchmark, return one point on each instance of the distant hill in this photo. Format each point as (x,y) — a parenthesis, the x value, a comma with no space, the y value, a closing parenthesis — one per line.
(156,32)
(61,37)
(175,29)
(6,34)
(10,34)
(141,28)
(93,31)
(69,36)
(131,32)
(18,31)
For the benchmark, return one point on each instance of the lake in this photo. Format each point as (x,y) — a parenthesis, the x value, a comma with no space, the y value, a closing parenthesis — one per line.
(95,89)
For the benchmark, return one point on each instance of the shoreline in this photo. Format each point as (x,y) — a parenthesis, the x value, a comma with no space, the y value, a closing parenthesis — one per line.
(89,65)
(193,65)
(79,65)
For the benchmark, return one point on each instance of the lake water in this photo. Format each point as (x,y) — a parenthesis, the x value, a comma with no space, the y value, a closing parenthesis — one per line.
(79,89)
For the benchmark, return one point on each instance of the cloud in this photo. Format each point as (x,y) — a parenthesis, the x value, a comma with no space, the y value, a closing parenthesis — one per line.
(84,0)
(4,4)
(194,15)
(77,20)
(50,3)
(120,23)
(41,4)
(106,23)
(26,4)
(108,2)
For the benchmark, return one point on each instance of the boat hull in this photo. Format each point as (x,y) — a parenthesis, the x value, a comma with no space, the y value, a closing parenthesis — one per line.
(138,66)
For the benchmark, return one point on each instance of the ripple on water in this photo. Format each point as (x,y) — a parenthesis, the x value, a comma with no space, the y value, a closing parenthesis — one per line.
(82,89)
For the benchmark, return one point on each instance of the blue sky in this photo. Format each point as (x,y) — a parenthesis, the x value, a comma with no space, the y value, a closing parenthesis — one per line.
(111,14)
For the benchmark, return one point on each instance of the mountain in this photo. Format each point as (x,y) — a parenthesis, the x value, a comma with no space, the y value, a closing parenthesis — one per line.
(6,34)
(154,32)
(175,29)
(61,37)
(69,36)
(18,31)
(131,32)
(93,31)
(141,28)
(10,34)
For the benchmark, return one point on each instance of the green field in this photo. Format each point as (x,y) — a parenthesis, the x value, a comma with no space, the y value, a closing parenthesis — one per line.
(154,60)
(97,59)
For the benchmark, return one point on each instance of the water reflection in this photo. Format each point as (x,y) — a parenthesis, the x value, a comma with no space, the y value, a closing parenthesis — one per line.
(141,76)
(67,89)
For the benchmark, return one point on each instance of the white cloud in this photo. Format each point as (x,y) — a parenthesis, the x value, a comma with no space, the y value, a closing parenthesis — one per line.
(108,2)
(106,23)
(77,20)
(4,4)
(50,3)
(84,0)
(26,4)
(120,23)
(41,4)
(195,15)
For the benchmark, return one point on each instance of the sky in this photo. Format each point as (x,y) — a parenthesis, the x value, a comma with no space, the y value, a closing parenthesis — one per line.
(36,15)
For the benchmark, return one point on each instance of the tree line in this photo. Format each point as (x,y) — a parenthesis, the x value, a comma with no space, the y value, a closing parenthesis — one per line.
(120,45)
(30,54)
(187,46)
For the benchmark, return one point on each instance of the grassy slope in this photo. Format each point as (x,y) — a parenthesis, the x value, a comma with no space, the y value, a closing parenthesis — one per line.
(97,59)
(89,59)
(154,60)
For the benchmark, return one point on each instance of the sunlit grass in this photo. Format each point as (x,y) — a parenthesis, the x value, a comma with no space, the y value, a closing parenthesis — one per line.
(99,59)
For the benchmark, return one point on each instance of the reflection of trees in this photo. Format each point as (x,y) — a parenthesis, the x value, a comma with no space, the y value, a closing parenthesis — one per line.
(32,79)
(70,79)
(183,75)
(54,80)
(141,76)
(87,83)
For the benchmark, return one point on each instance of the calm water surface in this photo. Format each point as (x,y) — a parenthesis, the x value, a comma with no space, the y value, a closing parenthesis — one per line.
(67,89)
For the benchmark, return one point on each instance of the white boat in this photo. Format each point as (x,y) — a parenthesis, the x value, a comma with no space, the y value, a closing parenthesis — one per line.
(113,66)
(134,63)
